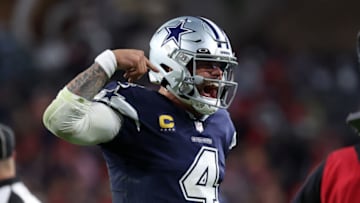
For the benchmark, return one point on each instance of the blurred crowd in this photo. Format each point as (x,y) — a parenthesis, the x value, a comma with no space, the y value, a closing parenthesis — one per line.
(289,111)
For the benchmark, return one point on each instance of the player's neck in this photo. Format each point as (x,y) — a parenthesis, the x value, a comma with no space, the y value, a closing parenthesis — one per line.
(178,102)
(7,168)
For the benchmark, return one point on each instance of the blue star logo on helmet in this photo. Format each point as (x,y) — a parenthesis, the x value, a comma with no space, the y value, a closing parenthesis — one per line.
(175,33)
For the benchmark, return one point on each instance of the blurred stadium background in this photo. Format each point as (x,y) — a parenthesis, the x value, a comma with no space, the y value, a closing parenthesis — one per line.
(298,79)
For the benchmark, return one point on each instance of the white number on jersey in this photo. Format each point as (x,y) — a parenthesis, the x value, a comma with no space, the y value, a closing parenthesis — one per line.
(200,182)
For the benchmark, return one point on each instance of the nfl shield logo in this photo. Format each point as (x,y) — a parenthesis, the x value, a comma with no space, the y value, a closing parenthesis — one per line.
(199,126)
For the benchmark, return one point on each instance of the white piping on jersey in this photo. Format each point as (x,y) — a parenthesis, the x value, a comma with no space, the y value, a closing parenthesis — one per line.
(119,103)
(18,189)
(126,109)
(233,141)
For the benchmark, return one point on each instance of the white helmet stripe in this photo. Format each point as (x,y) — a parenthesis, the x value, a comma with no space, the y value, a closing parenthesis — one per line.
(219,34)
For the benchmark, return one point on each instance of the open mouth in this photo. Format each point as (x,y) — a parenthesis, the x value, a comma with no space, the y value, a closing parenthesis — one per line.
(209,90)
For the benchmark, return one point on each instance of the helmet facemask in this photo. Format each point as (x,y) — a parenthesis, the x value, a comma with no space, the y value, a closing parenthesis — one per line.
(206,95)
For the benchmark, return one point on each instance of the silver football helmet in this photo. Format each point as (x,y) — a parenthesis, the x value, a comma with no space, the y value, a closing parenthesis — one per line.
(178,46)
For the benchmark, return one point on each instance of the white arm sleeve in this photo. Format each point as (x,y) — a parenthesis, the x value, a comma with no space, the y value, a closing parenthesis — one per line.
(80,121)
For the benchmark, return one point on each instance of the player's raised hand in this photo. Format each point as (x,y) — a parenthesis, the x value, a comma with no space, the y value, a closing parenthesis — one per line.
(133,62)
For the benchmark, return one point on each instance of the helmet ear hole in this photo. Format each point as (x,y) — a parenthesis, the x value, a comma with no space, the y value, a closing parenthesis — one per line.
(190,66)
(166,68)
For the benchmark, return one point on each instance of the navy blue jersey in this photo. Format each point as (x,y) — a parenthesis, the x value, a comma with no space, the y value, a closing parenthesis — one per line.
(161,154)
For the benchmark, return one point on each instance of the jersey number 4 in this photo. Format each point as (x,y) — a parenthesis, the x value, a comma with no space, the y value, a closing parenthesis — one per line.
(200,182)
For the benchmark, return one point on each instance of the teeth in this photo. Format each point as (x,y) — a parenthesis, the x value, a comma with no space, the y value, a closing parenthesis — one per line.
(210,90)
(212,84)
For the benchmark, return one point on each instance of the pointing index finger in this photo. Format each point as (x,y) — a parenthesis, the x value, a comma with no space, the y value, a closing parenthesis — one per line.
(151,66)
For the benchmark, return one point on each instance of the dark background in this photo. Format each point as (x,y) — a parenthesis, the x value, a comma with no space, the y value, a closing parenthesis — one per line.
(298,80)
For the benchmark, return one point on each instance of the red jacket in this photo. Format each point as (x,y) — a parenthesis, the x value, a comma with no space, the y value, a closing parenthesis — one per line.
(335,180)
(341,177)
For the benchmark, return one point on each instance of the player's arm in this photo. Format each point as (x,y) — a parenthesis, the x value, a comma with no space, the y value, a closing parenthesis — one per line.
(310,190)
(74,117)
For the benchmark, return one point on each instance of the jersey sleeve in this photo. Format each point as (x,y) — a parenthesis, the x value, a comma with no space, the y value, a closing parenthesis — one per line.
(80,121)
(115,95)
(233,141)
(310,190)
(231,132)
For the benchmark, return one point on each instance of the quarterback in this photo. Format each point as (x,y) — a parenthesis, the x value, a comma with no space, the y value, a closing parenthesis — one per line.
(167,145)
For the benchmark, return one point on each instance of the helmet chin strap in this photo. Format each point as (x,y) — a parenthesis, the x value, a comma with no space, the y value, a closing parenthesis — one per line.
(171,82)
(204,109)
(200,107)
(188,87)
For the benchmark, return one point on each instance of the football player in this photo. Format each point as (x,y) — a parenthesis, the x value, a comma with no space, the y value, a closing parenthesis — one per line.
(168,145)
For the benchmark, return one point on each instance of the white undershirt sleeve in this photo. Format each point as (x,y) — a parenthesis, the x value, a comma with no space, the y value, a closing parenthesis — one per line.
(80,121)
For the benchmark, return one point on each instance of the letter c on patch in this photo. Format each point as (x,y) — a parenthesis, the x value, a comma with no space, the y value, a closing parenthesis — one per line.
(166,121)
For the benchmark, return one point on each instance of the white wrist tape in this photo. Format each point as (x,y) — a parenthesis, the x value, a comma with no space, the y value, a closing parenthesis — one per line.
(107,61)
